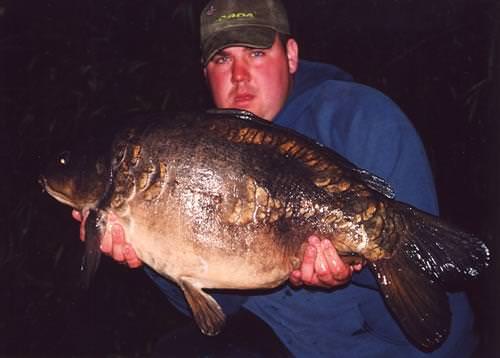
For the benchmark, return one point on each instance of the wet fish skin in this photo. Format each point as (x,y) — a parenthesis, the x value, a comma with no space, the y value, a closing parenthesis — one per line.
(225,200)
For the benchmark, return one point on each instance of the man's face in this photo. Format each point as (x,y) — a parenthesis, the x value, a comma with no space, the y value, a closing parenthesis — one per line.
(256,80)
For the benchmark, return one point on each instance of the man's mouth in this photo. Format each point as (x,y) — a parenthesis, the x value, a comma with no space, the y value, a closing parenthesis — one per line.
(243,98)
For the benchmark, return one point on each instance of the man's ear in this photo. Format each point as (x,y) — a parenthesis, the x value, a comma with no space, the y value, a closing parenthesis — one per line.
(292,52)
(205,72)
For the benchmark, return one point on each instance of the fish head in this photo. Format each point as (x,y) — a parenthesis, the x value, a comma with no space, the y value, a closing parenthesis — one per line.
(76,178)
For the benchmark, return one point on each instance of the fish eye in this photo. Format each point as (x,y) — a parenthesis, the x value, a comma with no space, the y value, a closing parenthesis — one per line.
(63,158)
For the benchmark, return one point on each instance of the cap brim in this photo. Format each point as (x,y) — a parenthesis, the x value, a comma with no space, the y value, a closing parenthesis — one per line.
(248,36)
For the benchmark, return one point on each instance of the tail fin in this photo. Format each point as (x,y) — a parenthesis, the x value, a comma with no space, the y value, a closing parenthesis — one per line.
(445,253)
(431,258)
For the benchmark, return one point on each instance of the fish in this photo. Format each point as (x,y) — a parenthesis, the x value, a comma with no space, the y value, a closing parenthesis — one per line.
(223,199)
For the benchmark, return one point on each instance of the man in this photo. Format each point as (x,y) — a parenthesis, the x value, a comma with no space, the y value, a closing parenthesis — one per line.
(251,63)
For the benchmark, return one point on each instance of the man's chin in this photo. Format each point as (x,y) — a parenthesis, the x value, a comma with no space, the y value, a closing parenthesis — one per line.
(249,107)
(246,107)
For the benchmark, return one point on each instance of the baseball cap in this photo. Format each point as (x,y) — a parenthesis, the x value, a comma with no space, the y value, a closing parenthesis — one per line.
(249,23)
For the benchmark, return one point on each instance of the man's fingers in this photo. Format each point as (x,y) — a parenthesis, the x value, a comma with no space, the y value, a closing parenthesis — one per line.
(323,275)
(357,267)
(315,270)
(316,281)
(295,278)
(314,240)
(82,217)
(111,235)
(76,215)
(117,242)
(134,263)
(307,267)
(320,265)
(106,243)
(117,235)
(340,271)
(117,253)
(131,257)
(113,240)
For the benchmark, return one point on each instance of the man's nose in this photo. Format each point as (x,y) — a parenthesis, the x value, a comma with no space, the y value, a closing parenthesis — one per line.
(240,71)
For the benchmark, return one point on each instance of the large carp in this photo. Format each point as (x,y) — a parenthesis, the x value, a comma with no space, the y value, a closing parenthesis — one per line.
(225,200)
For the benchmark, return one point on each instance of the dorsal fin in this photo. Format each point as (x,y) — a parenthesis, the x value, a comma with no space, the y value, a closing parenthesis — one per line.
(372,181)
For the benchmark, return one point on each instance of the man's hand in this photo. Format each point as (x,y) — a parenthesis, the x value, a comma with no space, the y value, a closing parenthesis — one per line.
(113,243)
(322,266)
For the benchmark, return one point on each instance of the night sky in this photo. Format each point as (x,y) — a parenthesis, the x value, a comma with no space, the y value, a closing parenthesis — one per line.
(69,68)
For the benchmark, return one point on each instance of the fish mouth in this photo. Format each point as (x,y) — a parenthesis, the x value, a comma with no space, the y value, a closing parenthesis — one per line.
(61,197)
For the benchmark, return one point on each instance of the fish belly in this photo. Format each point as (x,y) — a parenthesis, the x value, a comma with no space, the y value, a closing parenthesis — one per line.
(213,267)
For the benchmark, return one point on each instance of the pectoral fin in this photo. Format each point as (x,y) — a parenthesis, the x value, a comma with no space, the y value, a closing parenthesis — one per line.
(95,225)
(206,311)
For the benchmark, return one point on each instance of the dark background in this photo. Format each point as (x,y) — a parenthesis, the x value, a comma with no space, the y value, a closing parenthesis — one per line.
(70,67)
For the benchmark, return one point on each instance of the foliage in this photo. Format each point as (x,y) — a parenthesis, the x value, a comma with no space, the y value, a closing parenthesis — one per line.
(70,69)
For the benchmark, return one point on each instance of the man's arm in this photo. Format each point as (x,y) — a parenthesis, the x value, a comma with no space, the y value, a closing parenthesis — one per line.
(321,265)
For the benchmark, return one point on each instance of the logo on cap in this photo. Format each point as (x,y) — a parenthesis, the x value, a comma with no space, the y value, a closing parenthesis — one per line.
(236,15)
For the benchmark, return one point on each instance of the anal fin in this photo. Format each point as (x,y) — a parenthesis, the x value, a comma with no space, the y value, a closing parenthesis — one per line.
(206,311)
(419,304)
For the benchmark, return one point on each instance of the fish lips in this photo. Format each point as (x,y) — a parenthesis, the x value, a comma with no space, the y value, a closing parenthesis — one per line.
(43,181)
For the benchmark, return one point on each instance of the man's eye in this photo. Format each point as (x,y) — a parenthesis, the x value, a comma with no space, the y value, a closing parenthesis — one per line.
(258,53)
(220,60)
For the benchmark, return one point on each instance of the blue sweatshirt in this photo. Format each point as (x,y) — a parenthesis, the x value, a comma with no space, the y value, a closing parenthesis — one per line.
(367,128)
